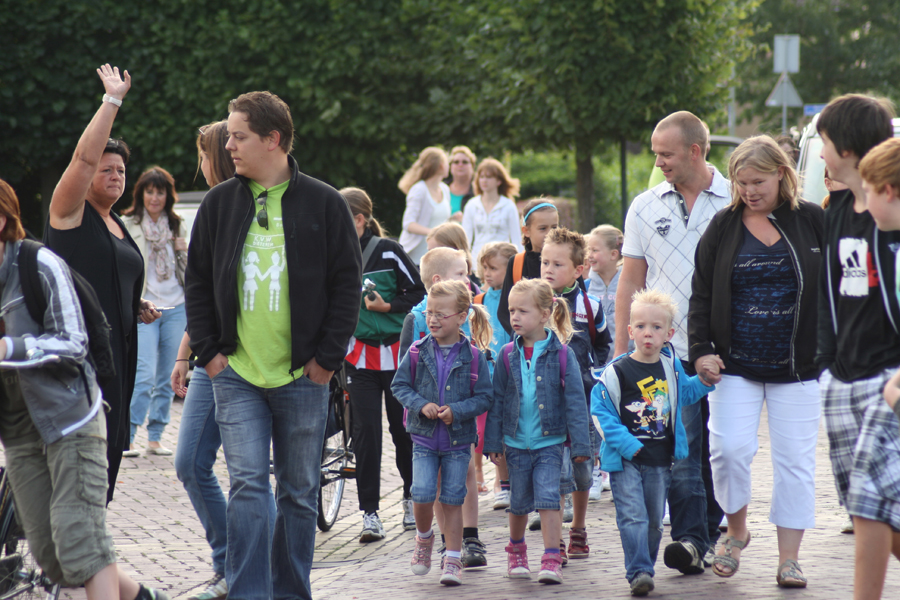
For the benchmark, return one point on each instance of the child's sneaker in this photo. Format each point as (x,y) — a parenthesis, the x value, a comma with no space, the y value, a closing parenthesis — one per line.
(421,559)
(517,561)
(568,510)
(596,486)
(667,520)
(642,584)
(578,546)
(501,500)
(409,521)
(452,574)
(604,476)
(562,552)
(551,569)
(534,521)
(473,556)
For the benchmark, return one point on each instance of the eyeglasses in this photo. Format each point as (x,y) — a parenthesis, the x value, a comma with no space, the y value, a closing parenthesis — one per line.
(438,316)
(262,217)
(460,162)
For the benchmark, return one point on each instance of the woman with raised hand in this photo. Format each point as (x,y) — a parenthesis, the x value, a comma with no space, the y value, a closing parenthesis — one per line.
(93,240)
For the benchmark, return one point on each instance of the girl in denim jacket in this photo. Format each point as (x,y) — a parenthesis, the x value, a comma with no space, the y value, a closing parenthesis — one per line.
(536,407)
(443,393)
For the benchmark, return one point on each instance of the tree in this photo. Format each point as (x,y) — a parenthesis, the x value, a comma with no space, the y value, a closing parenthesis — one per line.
(578,73)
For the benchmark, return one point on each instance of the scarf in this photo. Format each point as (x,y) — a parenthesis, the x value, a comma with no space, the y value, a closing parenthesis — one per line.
(158,236)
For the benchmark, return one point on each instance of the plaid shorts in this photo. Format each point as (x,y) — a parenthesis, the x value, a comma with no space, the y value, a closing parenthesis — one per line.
(864,446)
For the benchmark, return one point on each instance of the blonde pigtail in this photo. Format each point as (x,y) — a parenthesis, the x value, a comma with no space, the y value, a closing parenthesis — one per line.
(560,320)
(480,323)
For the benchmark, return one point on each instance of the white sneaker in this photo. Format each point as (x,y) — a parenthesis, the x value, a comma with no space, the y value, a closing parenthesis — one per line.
(666,519)
(596,486)
(409,520)
(372,530)
(216,589)
(606,486)
(501,499)
(847,526)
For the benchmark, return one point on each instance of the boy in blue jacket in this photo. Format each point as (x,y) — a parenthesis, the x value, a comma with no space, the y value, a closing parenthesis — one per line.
(636,407)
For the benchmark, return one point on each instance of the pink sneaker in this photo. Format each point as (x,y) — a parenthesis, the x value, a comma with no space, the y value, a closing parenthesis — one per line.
(517,561)
(551,569)
(421,558)
(452,574)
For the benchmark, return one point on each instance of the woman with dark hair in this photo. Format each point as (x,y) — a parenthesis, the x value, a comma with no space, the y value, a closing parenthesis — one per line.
(88,235)
(156,228)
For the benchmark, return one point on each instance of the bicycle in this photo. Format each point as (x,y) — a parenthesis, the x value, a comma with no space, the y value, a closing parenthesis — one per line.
(20,575)
(337,455)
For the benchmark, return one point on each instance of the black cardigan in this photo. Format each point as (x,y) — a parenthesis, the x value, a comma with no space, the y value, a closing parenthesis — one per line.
(709,315)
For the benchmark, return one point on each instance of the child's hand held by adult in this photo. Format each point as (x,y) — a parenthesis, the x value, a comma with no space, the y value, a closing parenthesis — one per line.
(495,457)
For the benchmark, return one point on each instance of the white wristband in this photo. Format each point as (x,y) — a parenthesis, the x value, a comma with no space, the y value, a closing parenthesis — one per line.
(111,100)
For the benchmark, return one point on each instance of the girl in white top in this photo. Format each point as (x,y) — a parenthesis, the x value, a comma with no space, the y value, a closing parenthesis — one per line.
(427,200)
(492,216)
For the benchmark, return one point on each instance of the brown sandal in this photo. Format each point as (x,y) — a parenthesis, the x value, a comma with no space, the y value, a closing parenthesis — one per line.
(789,575)
(726,560)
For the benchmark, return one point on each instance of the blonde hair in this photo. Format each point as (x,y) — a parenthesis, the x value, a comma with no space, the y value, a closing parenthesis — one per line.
(764,155)
(429,163)
(509,186)
(504,250)
(612,237)
(479,318)
(452,235)
(438,262)
(542,295)
(463,150)
(881,165)
(566,237)
(361,204)
(652,297)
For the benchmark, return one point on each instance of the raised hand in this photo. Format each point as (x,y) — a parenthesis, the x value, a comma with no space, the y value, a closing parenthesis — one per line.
(113,83)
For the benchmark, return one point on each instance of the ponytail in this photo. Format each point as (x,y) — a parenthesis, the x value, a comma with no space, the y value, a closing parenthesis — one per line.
(480,323)
(560,320)
(361,204)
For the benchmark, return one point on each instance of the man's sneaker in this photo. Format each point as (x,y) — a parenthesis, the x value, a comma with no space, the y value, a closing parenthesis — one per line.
(372,529)
(568,510)
(421,558)
(667,520)
(596,486)
(534,521)
(684,557)
(551,569)
(517,561)
(501,500)
(216,588)
(473,556)
(452,572)
(409,521)
(709,557)
(642,584)
(847,526)
(578,546)
(606,485)
(562,553)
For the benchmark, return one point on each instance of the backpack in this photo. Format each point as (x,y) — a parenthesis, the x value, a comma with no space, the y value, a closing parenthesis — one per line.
(563,360)
(100,353)
(414,362)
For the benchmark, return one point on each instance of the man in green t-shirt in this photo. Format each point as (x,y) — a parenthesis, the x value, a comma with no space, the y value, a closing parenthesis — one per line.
(272,295)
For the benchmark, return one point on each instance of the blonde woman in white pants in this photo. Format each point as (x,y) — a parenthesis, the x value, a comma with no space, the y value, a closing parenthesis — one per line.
(752,323)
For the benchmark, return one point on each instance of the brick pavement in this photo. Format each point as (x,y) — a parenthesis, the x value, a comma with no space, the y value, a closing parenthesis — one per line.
(160,542)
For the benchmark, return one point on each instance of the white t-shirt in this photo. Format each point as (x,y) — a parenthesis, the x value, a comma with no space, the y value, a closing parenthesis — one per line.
(440,212)
(659,230)
(502,224)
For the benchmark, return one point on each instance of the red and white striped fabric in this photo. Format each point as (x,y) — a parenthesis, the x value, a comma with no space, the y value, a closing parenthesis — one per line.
(380,358)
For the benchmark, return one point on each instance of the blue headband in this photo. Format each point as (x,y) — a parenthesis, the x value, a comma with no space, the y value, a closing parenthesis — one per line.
(538,207)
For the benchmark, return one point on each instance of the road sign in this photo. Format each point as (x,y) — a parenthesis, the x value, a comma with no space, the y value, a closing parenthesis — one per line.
(784,94)
(786,54)
(811,110)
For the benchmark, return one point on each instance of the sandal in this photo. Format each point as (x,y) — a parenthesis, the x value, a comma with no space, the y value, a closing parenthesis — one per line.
(726,560)
(789,575)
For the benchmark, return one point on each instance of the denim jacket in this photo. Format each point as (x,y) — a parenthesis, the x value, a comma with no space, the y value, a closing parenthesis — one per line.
(561,411)
(414,395)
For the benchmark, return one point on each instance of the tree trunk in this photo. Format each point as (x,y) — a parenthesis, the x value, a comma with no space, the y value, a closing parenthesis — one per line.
(584,186)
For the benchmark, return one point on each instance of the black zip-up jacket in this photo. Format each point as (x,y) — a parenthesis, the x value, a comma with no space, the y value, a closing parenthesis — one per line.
(884,256)
(709,315)
(323,265)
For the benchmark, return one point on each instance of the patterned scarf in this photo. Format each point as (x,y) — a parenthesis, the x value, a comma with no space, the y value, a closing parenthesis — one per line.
(159,236)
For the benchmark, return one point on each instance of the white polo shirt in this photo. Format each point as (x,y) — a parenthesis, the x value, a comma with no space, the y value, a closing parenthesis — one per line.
(659,230)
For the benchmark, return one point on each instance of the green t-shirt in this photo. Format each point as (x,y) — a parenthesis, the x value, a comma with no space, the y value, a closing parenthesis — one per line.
(263,353)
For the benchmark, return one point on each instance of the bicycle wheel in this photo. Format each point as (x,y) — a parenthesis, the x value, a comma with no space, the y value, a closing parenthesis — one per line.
(20,575)
(336,458)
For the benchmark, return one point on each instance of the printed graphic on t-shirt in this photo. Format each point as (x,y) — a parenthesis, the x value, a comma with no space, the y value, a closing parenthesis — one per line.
(255,279)
(857,268)
(651,411)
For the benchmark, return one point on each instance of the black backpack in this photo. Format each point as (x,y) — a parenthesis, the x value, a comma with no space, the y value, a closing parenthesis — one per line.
(100,352)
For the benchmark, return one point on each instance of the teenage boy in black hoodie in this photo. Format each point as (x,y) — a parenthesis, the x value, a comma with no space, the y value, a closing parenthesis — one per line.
(859,340)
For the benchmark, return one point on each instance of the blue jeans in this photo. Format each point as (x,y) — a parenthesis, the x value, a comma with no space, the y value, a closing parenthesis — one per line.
(534,478)
(157,349)
(453,466)
(640,494)
(198,442)
(291,419)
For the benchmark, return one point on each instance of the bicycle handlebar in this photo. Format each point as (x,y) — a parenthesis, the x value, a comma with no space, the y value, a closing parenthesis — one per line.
(34,361)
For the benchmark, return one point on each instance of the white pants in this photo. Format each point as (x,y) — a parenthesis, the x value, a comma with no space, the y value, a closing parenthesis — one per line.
(793,413)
